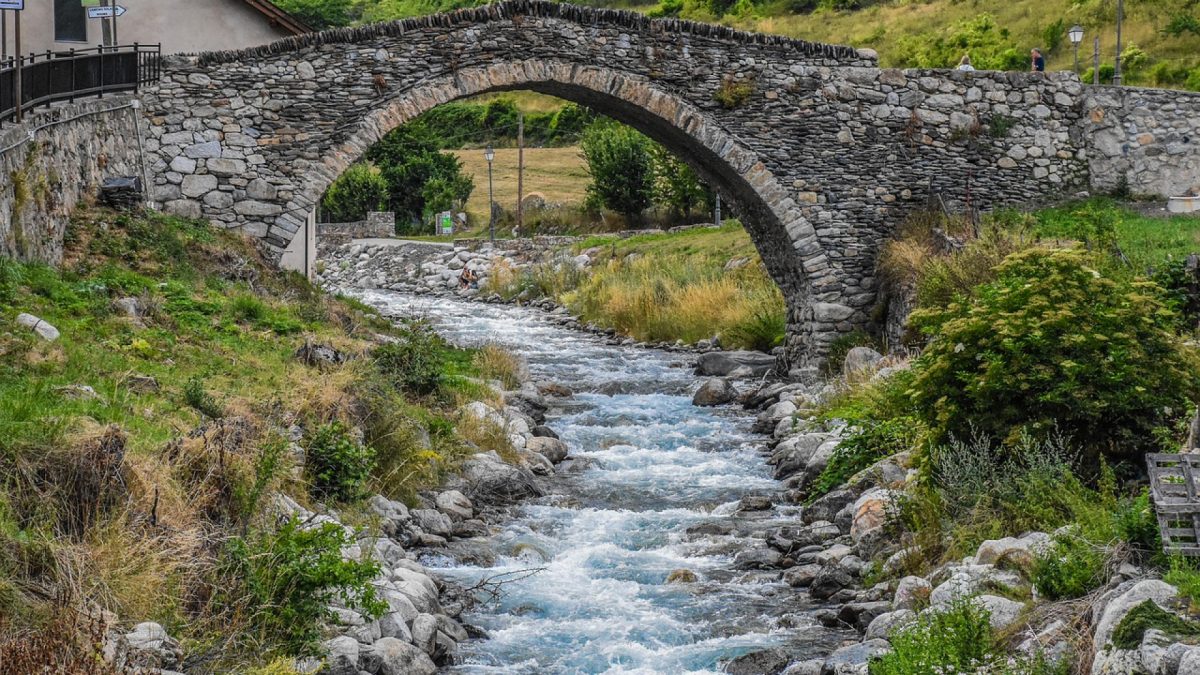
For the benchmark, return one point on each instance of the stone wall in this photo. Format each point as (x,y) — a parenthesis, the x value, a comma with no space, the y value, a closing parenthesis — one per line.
(377,224)
(73,148)
(1146,140)
(820,152)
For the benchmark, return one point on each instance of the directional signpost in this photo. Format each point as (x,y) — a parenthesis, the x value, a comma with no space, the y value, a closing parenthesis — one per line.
(104,12)
(15,6)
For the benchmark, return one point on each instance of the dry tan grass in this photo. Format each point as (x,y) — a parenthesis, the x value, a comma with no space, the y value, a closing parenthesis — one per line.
(497,363)
(559,175)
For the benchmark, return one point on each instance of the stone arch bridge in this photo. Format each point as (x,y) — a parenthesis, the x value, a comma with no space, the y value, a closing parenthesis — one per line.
(821,151)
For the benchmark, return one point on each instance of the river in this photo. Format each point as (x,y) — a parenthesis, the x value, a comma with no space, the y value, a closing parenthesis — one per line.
(653,488)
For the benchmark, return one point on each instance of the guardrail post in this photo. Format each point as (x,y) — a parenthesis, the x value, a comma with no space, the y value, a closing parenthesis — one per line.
(100,50)
(137,68)
(72,99)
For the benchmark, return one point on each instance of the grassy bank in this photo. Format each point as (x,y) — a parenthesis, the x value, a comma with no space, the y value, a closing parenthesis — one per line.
(139,450)
(689,286)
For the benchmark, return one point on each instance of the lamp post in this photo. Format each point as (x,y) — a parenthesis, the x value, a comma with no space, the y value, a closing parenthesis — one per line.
(489,155)
(1076,35)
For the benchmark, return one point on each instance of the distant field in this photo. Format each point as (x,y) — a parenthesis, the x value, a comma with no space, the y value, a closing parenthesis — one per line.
(558,174)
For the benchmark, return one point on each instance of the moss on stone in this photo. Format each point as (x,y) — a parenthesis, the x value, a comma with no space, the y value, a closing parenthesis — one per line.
(1131,629)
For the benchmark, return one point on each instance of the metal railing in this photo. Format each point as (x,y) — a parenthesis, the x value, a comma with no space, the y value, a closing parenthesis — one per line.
(66,75)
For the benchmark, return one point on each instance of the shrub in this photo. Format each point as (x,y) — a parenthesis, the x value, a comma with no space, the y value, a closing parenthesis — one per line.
(497,363)
(1071,568)
(1053,342)
(286,579)
(862,447)
(195,395)
(247,308)
(416,363)
(733,93)
(957,640)
(358,191)
(338,464)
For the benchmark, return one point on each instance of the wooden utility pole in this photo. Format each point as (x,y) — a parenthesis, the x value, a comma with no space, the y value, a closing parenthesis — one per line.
(17,52)
(1096,61)
(520,171)
(1120,19)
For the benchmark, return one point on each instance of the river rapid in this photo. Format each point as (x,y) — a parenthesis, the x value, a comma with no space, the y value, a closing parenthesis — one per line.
(652,487)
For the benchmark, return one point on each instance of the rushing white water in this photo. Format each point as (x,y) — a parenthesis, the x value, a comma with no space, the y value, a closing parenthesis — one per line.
(652,467)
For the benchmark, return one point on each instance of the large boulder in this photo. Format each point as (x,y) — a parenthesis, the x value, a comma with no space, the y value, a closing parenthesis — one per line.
(341,656)
(401,658)
(715,391)
(455,504)
(552,449)
(872,511)
(1125,598)
(489,479)
(854,659)
(721,364)
(860,360)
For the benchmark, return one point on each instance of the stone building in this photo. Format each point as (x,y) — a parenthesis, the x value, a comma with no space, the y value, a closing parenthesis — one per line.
(181,26)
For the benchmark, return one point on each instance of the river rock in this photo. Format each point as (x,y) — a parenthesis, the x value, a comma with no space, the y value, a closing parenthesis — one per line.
(1002,611)
(543,431)
(1117,603)
(860,360)
(424,633)
(44,330)
(883,625)
(341,656)
(455,504)
(853,659)
(831,579)
(721,364)
(801,575)
(713,392)
(401,658)
(757,559)
(490,480)
(433,521)
(529,402)
(552,449)
(765,662)
(872,512)
(859,615)
(912,592)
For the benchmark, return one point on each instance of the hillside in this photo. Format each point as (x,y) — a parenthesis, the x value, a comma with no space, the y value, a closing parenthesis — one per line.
(1161,37)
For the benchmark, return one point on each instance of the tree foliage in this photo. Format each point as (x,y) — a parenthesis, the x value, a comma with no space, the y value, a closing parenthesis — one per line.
(419,178)
(1052,343)
(676,186)
(357,192)
(621,165)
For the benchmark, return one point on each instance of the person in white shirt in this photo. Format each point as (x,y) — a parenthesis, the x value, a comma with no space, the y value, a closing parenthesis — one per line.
(965,64)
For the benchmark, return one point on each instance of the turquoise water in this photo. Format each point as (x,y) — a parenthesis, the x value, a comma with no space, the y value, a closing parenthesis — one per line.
(649,466)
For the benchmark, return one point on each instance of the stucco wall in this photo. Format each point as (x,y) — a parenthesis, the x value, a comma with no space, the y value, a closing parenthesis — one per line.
(180,25)
(75,149)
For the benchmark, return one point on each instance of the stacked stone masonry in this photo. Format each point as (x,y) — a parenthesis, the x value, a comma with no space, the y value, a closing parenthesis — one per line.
(54,160)
(821,151)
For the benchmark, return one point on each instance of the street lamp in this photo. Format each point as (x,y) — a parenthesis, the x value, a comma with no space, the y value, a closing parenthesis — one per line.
(1076,35)
(489,155)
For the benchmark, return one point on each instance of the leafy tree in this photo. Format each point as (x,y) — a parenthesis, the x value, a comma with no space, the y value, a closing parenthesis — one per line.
(1052,343)
(419,178)
(358,191)
(676,186)
(321,14)
(622,168)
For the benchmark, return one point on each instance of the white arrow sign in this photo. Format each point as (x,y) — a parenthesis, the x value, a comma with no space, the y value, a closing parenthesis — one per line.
(103,12)
(12,4)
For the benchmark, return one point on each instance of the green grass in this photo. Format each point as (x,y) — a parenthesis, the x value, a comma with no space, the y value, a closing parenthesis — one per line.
(218,333)
(1146,241)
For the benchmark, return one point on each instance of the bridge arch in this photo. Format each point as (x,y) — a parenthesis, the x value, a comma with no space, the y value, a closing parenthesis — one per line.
(769,214)
(822,151)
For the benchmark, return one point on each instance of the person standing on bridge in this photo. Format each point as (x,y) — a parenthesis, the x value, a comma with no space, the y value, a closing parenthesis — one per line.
(965,63)
(1037,62)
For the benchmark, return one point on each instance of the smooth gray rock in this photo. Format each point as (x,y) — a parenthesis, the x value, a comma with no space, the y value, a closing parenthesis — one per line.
(714,392)
(401,658)
(765,662)
(44,330)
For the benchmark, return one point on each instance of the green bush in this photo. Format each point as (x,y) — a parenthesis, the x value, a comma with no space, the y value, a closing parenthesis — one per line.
(247,308)
(195,395)
(862,447)
(1071,568)
(957,640)
(338,465)
(358,191)
(416,363)
(286,579)
(622,169)
(1054,344)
